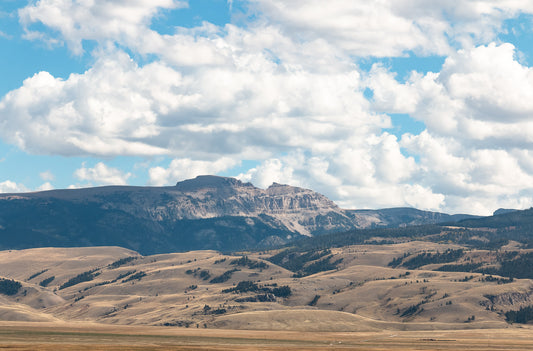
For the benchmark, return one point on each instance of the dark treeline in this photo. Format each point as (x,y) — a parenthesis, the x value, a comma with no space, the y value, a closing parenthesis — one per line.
(523,315)
(122,262)
(224,277)
(506,220)
(244,261)
(136,276)
(305,263)
(9,286)
(294,260)
(37,274)
(45,282)
(466,267)
(511,264)
(80,278)
(249,286)
(360,236)
(521,266)
(431,258)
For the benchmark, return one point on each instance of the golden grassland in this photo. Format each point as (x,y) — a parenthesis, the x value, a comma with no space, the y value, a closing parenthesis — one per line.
(32,336)
(359,307)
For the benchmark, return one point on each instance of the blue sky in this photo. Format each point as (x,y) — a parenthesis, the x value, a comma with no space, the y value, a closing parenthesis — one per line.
(373,104)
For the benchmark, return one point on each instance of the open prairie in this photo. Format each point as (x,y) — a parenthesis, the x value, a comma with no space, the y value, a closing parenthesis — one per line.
(48,337)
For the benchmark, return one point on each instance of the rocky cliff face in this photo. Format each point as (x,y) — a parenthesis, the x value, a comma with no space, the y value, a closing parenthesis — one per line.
(299,210)
(207,212)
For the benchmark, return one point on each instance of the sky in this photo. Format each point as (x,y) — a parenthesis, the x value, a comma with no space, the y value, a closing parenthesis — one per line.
(373,103)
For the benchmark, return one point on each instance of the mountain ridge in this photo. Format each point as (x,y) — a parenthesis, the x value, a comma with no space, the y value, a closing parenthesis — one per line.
(207,212)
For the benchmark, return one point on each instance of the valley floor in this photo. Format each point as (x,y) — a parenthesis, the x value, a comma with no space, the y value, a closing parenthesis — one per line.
(79,336)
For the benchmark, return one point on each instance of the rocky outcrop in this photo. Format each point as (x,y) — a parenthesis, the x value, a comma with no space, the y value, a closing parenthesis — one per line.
(514,299)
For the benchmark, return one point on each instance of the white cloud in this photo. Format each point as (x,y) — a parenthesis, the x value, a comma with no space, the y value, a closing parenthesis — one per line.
(47,176)
(9,186)
(4,35)
(92,20)
(285,91)
(270,171)
(352,177)
(392,28)
(119,108)
(481,94)
(45,186)
(181,169)
(102,174)
(478,113)
(106,111)
(354,28)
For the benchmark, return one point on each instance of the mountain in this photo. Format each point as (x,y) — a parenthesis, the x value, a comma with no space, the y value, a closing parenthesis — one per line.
(503,211)
(402,217)
(506,231)
(505,220)
(207,212)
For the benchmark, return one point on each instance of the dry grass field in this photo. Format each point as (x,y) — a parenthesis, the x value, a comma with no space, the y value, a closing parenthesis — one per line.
(48,337)
(124,301)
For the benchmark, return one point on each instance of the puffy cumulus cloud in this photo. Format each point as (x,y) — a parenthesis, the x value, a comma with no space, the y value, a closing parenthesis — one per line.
(363,28)
(92,20)
(340,29)
(102,174)
(9,186)
(392,28)
(181,169)
(286,84)
(108,110)
(370,174)
(118,108)
(491,84)
(477,110)
(451,167)
(482,94)
(275,171)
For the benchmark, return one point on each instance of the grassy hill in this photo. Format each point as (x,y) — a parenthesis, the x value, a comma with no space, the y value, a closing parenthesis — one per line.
(351,288)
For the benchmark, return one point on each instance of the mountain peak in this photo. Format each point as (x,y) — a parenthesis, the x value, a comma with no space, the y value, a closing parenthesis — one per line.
(211,182)
(503,211)
(275,185)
